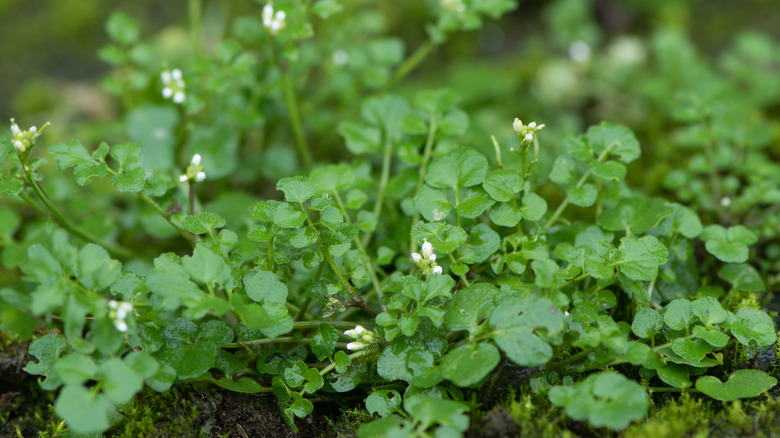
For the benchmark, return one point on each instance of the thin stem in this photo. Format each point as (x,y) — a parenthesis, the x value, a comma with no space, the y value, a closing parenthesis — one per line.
(429,141)
(292,108)
(652,389)
(411,63)
(196,14)
(380,195)
(328,368)
(192,198)
(569,360)
(580,183)
(281,340)
(497,148)
(116,250)
(462,277)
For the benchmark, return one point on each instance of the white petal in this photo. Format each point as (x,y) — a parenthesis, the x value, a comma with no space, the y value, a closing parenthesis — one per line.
(437,270)
(121,326)
(529,137)
(167,93)
(19,145)
(196,159)
(280,16)
(355,346)
(178,97)
(360,330)
(427,250)
(113,304)
(416,257)
(200,176)
(176,74)
(517,125)
(183,178)
(15,130)
(268,14)
(166,77)
(532,125)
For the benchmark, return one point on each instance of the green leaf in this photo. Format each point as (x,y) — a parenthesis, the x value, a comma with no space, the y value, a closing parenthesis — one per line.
(75,369)
(619,139)
(728,245)
(324,342)
(202,223)
(463,167)
(404,359)
(119,382)
(604,400)
(683,220)
(678,314)
(468,364)
(243,385)
(95,269)
(741,384)
(523,328)
(469,306)
(642,257)
(753,326)
(474,203)
(678,376)
(584,196)
(429,411)
(692,350)
(646,323)
(360,139)
(383,402)
(208,268)
(382,427)
(152,127)
(505,215)
(296,189)
(610,170)
(711,335)
(635,215)
(73,154)
(708,310)
(502,184)
(326,8)
(84,411)
(332,178)
(122,28)
(142,364)
(534,207)
(272,319)
(131,177)
(562,172)
(444,238)
(743,277)
(483,243)
(265,287)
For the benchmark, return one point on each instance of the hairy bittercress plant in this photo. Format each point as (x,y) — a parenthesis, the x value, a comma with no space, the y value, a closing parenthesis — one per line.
(412,273)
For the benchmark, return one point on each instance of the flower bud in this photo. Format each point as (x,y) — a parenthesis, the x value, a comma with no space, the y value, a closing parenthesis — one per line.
(416,257)
(517,125)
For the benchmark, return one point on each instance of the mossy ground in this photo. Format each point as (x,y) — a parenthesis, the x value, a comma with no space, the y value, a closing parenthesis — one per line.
(200,410)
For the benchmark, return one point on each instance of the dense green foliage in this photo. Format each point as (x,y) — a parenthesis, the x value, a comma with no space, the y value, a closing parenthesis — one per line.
(613,263)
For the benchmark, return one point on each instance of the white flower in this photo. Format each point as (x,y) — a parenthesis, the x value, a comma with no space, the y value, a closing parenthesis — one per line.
(353,346)
(427,249)
(340,57)
(416,257)
(579,51)
(438,215)
(274,22)
(529,137)
(173,85)
(532,125)
(23,140)
(195,171)
(121,326)
(437,270)
(725,201)
(517,125)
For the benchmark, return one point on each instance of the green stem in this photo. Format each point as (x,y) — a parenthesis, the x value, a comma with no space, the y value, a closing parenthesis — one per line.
(569,360)
(116,250)
(652,389)
(580,183)
(432,127)
(292,108)
(462,277)
(328,368)
(380,195)
(316,324)
(411,63)
(196,13)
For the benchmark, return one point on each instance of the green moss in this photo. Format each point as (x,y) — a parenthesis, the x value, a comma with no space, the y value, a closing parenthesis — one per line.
(168,414)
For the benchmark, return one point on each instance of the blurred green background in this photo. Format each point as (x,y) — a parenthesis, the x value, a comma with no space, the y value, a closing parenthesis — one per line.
(50,63)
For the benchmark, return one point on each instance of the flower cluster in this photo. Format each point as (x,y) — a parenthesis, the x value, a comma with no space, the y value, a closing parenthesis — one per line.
(118,311)
(274,22)
(453,5)
(427,261)
(526,132)
(23,140)
(362,337)
(173,85)
(195,171)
